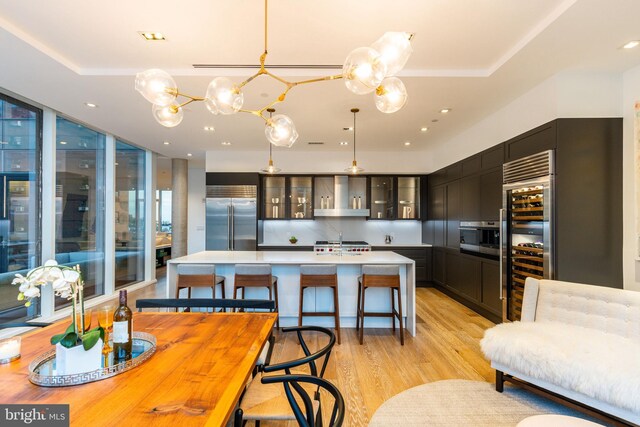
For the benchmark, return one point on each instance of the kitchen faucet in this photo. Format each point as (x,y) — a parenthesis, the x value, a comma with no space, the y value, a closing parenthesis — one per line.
(340,239)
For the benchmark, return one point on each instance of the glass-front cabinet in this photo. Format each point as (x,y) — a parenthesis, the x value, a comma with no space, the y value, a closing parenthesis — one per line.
(273,197)
(287,197)
(382,197)
(301,197)
(408,197)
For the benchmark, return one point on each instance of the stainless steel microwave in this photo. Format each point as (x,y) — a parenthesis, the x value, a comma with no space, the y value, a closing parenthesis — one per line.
(480,238)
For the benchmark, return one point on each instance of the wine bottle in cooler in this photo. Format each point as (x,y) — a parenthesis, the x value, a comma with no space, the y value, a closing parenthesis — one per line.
(122,330)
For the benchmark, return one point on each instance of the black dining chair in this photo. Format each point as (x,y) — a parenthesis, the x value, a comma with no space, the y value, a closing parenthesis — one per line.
(213,303)
(23,325)
(264,401)
(306,417)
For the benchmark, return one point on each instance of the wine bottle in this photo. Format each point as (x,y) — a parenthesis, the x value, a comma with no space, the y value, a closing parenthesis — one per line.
(122,328)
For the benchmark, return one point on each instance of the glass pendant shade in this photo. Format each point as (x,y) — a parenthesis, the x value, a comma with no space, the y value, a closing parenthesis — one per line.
(280,131)
(354,168)
(395,49)
(169,115)
(223,96)
(270,168)
(157,86)
(363,70)
(391,95)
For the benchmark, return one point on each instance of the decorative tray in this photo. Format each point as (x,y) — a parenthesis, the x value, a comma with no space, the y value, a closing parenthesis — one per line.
(42,370)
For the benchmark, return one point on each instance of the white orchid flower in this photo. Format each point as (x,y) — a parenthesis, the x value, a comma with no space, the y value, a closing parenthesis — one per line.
(19,279)
(51,263)
(60,284)
(71,276)
(24,286)
(32,292)
(53,274)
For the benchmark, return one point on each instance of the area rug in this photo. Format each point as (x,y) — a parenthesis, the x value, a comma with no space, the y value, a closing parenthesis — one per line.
(465,403)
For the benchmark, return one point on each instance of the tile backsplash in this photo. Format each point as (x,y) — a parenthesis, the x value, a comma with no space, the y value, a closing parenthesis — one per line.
(307,232)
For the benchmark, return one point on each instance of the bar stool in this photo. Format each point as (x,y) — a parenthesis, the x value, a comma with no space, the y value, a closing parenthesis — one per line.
(320,276)
(256,276)
(198,276)
(379,276)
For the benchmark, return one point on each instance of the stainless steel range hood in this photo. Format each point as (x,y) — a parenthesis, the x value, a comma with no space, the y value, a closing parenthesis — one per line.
(341,197)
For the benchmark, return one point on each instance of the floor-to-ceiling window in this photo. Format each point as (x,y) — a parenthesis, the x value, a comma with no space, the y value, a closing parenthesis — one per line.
(80,203)
(20,164)
(130,214)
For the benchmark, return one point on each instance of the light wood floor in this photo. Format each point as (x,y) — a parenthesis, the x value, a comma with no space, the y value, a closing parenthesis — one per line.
(446,346)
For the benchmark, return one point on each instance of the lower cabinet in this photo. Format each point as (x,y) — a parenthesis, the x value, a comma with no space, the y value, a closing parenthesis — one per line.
(473,281)
(422,258)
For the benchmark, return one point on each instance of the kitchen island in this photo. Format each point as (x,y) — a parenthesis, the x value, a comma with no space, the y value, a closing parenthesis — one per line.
(286,265)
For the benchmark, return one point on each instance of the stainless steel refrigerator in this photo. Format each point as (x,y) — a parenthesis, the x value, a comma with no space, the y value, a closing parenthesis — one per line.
(526,227)
(231,218)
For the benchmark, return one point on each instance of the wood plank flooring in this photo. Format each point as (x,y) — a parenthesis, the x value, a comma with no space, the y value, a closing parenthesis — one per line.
(446,346)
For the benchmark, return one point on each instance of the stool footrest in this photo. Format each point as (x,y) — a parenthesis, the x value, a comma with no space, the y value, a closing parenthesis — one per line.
(377,314)
(318,313)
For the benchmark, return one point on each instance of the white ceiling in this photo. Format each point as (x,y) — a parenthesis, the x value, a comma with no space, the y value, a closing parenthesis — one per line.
(471,55)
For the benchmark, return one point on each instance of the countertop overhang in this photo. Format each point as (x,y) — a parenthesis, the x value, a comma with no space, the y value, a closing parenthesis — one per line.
(289,258)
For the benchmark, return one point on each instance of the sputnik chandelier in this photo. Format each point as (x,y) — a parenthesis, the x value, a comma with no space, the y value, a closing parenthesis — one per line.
(366,70)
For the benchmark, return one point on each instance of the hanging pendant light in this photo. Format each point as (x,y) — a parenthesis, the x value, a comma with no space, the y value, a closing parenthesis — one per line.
(354,168)
(270,168)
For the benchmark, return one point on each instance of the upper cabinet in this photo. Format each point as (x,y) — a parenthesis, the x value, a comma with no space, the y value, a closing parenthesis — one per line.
(287,197)
(300,197)
(382,197)
(395,197)
(408,197)
(273,197)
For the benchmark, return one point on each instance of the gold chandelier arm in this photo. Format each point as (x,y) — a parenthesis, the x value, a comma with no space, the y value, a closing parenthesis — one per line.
(280,79)
(253,112)
(319,79)
(248,80)
(266,21)
(190,100)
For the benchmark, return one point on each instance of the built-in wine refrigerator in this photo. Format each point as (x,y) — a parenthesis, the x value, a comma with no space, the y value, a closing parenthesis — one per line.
(526,227)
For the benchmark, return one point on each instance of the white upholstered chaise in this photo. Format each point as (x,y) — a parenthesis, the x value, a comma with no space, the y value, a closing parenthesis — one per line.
(579,341)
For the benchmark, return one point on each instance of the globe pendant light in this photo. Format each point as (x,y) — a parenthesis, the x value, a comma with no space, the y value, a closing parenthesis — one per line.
(363,70)
(169,115)
(157,86)
(394,49)
(223,96)
(354,168)
(280,131)
(391,95)
(270,168)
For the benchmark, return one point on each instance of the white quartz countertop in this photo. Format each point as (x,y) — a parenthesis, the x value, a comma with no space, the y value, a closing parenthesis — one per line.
(375,245)
(289,257)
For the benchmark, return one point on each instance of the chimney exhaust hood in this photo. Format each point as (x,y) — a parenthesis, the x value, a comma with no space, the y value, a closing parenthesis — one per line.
(341,197)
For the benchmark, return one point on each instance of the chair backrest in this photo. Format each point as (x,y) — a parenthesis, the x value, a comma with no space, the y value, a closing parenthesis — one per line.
(615,311)
(309,358)
(381,270)
(318,269)
(204,303)
(196,269)
(306,418)
(253,269)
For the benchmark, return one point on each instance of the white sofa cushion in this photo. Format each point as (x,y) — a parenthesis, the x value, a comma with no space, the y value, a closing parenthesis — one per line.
(597,364)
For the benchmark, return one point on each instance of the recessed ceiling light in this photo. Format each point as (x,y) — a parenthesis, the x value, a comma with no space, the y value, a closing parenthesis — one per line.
(349,128)
(189,154)
(407,144)
(90,105)
(445,110)
(225,143)
(424,129)
(631,44)
(166,143)
(344,143)
(209,129)
(63,142)
(151,36)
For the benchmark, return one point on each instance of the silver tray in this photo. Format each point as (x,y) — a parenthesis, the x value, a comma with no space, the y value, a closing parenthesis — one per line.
(42,367)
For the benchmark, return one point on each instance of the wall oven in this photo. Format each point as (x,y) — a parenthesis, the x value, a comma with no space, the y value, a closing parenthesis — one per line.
(480,238)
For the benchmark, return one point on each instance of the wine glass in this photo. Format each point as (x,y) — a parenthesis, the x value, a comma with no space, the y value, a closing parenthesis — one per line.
(87,319)
(105,320)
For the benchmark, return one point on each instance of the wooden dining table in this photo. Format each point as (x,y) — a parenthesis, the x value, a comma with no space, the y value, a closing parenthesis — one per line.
(196,376)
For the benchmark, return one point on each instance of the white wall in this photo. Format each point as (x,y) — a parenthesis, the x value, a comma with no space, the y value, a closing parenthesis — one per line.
(631,95)
(197,192)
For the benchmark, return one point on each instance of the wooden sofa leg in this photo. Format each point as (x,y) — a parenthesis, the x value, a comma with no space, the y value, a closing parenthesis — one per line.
(499,381)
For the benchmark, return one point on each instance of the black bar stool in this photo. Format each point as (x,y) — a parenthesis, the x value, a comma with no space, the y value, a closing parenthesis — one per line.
(379,276)
(320,276)
(256,276)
